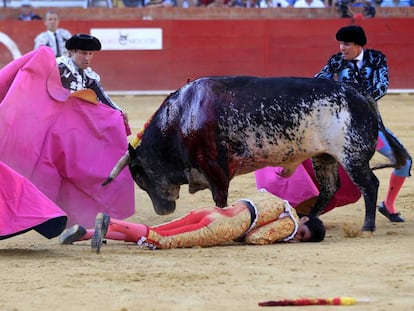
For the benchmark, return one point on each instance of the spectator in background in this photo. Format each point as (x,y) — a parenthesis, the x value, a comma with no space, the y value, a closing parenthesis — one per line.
(263,4)
(344,8)
(214,3)
(278,4)
(54,37)
(133,3)
(237,3)
(155,3)
(369,10)
(309,4)
(357,9)
(27,13)
(362,9)
(399,3)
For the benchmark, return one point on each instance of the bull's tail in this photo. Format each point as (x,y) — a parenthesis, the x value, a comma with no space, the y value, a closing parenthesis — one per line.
(401,154)
(119,166)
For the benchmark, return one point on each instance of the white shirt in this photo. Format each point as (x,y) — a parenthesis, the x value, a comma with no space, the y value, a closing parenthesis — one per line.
(359,59)
(278,3)
(313,4)
(48,38)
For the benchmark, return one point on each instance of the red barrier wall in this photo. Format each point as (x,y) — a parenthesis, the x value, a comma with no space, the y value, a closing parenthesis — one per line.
(294,47)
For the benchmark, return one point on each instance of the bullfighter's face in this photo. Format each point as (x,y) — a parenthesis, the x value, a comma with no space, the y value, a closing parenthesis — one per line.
(349,50)
(81,58)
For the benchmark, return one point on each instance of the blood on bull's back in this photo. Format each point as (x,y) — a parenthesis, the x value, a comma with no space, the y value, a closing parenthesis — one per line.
(264,121)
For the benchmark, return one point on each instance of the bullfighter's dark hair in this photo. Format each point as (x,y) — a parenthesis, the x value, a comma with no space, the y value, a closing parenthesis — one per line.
(316,227)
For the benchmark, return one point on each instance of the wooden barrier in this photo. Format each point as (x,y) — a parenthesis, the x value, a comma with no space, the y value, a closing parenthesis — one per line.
(199,13)
(194,48)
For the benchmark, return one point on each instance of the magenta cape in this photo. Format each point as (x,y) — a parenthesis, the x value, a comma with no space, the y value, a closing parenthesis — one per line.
(302,185)
(64,145)
(23,207)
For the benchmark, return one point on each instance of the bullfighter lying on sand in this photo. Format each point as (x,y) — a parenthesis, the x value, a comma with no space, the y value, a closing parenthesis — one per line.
(261,219)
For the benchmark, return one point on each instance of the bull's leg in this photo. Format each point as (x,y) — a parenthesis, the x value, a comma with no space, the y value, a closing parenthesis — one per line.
(213,167)
(326,171)
(219,183)
(368,183)
(220,194)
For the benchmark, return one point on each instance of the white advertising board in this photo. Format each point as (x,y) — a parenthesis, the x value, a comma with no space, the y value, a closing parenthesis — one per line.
(129,38)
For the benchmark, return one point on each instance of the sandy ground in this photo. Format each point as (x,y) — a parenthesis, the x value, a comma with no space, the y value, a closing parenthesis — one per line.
(40,274)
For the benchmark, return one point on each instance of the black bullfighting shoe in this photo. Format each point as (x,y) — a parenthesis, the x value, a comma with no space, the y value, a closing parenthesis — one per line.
(396,217)
(101,228)
(72,234)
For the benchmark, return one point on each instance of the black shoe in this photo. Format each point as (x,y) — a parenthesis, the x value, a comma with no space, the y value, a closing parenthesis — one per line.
(391,217)
(72,234)
(101,228)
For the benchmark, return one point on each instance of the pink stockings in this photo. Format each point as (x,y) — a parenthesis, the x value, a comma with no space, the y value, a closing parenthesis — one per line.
(121,231)
(395,184)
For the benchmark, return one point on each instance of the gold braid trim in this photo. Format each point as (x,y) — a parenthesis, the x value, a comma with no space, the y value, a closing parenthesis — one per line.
(222,229)
(279,229)
(268,206)
(272,232)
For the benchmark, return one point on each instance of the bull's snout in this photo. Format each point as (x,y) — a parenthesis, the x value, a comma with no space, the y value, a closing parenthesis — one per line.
(163,207)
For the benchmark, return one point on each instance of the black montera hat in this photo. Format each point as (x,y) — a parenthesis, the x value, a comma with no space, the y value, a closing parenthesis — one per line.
(83,42)
(352,33)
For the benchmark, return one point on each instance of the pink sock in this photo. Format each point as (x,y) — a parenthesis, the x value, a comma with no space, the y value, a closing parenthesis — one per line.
(121,231)
(395,185)
(126,231)
(113,235)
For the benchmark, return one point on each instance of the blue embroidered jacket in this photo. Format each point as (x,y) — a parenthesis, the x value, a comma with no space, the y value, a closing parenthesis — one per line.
(372,76)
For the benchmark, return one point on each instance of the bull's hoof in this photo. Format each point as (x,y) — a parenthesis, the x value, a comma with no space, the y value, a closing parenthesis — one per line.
(366,234)
(368,228)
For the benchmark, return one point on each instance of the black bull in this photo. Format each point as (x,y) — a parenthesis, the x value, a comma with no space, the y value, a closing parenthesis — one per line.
(216,128)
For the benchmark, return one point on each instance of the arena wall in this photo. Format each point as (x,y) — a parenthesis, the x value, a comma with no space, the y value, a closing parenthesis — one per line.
(195,48)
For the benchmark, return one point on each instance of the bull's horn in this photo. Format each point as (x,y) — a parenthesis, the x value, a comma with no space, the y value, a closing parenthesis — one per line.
(119,166)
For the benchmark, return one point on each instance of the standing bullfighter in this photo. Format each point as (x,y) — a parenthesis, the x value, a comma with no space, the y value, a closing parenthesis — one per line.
(76,73)
(368,68)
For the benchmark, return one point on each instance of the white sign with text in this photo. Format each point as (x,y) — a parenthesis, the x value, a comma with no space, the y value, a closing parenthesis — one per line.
(129,38)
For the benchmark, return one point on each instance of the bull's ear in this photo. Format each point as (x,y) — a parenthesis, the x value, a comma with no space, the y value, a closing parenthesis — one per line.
(132,152)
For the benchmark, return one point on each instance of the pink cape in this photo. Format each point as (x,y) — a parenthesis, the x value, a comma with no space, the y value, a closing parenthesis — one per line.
(23,207)
(302,185)
(65,146)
